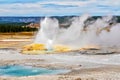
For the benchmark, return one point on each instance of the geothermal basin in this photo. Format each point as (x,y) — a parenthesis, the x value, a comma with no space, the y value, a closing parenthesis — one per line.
(78,65)
(90,49)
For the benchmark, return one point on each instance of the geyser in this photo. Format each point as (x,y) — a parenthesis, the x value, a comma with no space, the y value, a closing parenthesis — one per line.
(47,33)
(82,32)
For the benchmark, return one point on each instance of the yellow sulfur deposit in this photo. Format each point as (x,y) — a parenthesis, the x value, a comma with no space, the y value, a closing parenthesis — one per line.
(61,48)
(41,49)
(32,47)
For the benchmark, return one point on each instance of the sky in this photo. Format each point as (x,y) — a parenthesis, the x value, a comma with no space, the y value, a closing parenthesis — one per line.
(59,7)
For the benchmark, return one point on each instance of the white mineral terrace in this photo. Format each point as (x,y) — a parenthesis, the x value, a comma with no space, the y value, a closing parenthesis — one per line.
(74,58)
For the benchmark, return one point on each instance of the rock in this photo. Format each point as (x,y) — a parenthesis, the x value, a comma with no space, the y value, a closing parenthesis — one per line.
(78,79)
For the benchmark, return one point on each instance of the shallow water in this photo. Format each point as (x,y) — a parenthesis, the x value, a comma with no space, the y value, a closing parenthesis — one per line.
(18,70)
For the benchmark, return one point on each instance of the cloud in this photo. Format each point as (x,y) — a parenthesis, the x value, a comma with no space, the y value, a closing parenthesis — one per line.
(17,1)
(58,7)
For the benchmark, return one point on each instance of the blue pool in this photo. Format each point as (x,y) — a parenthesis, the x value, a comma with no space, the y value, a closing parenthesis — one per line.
(18,70)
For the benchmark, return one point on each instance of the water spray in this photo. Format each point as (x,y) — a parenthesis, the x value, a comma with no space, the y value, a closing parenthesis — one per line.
(82,32)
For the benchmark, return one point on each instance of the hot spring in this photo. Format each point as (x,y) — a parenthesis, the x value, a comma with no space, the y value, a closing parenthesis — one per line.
(82,32)
(18,70)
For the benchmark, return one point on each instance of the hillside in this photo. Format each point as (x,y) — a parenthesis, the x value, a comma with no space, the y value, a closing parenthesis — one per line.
(62,19)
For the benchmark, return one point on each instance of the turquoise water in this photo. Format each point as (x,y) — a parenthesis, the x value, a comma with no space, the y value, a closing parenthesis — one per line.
(18,70)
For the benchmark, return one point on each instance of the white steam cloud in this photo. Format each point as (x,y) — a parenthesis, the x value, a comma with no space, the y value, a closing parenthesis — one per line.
(82,32)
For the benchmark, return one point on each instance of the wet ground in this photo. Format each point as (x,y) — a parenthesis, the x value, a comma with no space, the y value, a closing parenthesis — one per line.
(82,66)
(91,64)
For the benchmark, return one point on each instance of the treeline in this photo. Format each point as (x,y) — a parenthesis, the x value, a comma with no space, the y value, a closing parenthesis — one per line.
(15,27)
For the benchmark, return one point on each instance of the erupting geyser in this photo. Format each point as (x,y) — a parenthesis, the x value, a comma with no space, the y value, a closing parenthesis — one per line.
(47,32)
(82,32)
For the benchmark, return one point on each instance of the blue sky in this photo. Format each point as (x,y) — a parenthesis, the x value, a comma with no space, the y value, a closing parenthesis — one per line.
(58,7)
